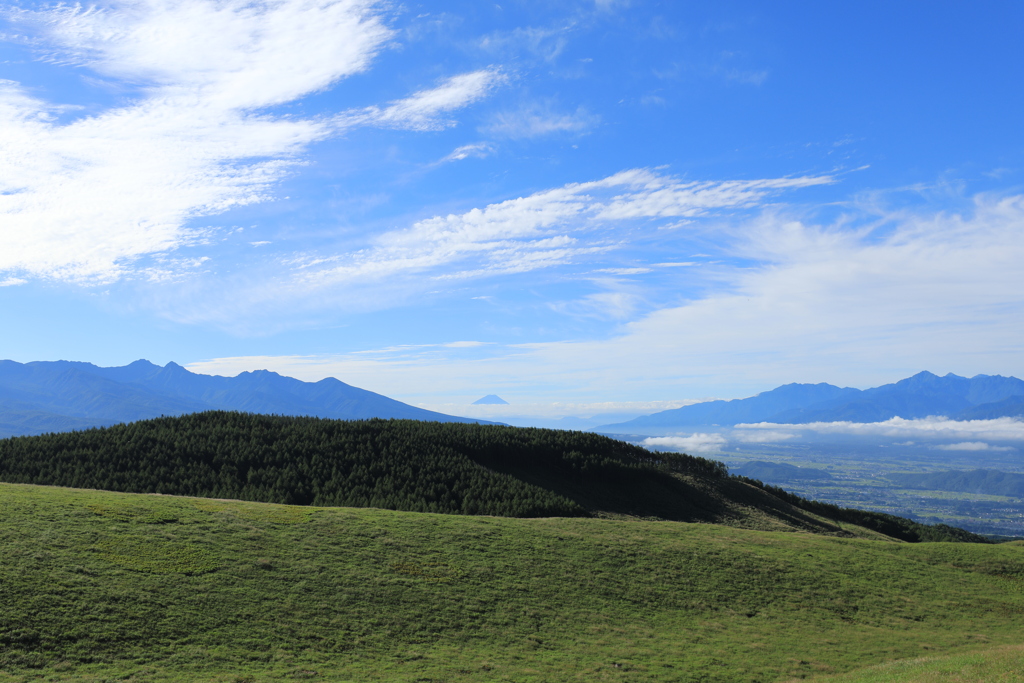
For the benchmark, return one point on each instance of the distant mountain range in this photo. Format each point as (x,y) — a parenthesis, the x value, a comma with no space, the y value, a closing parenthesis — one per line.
(987,482)
(978,398)
(59,396)
(778,472)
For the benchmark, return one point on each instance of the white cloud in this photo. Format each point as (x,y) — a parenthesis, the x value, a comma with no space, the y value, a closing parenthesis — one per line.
(973,446)
(612,305)
(228,55)
(536,121)
(695,443)
(870,299)
(761,436)
(84,199)
(546,229)
(624,271)
(464,344)
(421,110)
(536,231)
(544,43)
(477,150)
(12,282)
(999,429)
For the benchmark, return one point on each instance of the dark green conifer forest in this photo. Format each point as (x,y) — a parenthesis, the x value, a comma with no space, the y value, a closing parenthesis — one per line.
(392,464)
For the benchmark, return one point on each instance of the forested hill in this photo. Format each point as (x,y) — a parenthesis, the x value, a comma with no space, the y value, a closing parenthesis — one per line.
(420,467)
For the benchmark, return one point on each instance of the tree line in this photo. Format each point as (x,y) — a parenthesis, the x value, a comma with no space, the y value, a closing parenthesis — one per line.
(394,464)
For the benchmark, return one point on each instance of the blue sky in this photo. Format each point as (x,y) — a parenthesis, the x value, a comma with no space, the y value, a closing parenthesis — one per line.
(579,206)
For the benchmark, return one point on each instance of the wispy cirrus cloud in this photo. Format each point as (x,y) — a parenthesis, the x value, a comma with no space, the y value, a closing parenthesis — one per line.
(82,200)
(545,43)
(476,150)
(543,229)
(616,304)
(870,298)
(422,110)
(538,120)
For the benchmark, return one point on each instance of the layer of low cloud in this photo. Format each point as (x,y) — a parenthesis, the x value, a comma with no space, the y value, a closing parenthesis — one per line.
(694,443)
(971,432)
(928,430)
(714,442)
(83,200)
(761,436)
(973,446)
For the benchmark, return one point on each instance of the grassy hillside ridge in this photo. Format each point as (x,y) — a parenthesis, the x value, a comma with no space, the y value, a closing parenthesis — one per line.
(892,526)
(419,467)
(103,586)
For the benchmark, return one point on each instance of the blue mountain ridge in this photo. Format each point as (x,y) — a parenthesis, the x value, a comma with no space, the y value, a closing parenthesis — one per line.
(47,396)
(923,395)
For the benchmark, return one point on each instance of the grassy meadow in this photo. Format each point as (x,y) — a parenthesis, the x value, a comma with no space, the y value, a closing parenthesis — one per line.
(110,586)
(996,665)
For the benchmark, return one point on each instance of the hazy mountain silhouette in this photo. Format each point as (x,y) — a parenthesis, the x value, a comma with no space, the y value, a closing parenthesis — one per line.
(1010,407)
(62,395)
(923,395)
(778,472)
(987,482)
(490,399)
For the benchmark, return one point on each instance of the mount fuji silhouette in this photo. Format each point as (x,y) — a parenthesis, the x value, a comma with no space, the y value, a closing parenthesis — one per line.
(490,399)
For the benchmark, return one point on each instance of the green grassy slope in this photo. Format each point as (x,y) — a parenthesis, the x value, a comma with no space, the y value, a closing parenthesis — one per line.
(997,665)
(111,586)
(422,467)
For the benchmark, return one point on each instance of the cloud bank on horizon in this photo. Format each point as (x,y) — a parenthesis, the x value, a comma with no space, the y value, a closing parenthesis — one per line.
(355,189)
(928,432)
